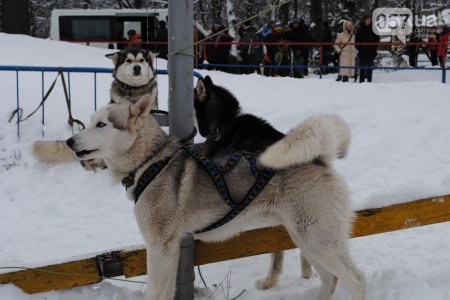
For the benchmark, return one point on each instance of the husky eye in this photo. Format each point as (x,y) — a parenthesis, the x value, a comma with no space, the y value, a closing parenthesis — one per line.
(128,61)
(141,60)
(100,124)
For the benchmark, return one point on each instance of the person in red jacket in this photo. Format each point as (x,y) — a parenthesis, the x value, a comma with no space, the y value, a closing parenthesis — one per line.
(443,45)
(134,38)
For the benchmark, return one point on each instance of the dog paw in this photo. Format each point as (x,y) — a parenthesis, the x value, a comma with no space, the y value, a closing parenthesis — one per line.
(265,284)
(93,164)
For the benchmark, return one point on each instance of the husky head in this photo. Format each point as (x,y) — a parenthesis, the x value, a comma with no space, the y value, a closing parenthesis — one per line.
(133,67)
(113,129)
(214,106)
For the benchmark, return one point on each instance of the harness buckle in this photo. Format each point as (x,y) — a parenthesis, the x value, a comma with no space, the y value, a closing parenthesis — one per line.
(128,181)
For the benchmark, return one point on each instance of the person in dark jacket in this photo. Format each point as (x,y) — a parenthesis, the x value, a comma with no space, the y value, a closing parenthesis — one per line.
(161,36)
(327,37)
(366,53)
(247,34)
(297,35)
(413,50)
(306,48)
(210,48)
(222,53)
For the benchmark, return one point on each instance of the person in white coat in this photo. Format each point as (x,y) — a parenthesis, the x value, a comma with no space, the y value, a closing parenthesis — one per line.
(347,52)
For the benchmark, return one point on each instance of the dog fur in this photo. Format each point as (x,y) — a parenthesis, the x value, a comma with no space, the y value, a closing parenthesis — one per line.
(323,136)
(310,200)
(134,76)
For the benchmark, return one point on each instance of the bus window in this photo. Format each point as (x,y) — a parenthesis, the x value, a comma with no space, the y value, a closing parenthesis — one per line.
(91,29)
(81,28)
(131,25)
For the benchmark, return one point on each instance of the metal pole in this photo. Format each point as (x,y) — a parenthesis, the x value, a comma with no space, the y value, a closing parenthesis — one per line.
(181,109)
(444,74)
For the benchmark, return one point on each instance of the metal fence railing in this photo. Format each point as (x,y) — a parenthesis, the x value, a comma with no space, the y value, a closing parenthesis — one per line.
(68,70)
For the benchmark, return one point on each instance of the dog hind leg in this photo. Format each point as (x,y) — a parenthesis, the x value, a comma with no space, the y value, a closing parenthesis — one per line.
(272,277)
(329,281)
(334,258)
(305,267)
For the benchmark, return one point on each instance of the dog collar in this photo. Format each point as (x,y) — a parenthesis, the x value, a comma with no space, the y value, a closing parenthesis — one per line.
(131,88)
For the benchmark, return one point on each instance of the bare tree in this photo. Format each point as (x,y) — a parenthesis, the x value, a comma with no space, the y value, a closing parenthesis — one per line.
(316,18)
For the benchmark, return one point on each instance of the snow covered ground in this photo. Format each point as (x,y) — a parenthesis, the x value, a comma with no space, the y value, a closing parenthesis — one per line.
(399,153)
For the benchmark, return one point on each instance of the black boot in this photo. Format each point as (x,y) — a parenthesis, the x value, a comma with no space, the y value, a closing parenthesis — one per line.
(339,78)
(345,79)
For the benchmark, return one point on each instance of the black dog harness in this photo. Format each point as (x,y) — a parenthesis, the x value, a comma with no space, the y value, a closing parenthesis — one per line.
(215,173)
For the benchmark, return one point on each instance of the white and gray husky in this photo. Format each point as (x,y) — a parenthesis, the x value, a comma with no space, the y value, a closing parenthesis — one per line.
(310,200)
(134,76)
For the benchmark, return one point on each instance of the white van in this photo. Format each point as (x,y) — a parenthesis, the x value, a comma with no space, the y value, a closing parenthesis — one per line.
(104,27)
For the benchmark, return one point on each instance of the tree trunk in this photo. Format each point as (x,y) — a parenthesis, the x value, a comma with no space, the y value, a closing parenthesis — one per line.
(295,7)
(15,16)
(284,13)
(316,18)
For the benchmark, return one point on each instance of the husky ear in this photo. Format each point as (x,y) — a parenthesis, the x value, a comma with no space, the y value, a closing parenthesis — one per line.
(200,90)
(114,57)
(208,81)
(142,107)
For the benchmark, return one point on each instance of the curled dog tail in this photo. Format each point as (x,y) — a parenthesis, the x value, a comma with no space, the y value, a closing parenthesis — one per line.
(53,152)
(324,137)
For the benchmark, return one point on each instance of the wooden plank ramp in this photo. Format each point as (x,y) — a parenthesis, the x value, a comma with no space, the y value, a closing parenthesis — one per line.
(249,243)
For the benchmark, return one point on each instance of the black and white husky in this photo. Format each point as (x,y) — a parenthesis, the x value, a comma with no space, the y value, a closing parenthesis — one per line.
(134,76)
(220,121)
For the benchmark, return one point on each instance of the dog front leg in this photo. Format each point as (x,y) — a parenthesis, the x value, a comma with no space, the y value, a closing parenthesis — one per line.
(162,261)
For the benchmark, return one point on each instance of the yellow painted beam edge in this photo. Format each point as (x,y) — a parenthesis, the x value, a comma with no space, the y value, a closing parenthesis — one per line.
(253,242)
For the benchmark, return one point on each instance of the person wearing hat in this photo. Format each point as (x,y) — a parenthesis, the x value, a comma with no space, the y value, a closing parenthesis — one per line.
(345,48)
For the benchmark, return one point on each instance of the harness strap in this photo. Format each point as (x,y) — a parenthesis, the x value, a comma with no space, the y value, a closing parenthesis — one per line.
(235,157)
(71,119)
(152,171)
(214,171)
(259,185)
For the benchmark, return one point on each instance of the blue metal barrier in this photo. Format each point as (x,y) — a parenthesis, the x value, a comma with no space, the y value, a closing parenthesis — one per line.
(68,70)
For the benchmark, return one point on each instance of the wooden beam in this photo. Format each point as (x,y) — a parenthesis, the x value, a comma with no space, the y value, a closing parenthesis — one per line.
(253,242)
(49,278)
(367,222)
